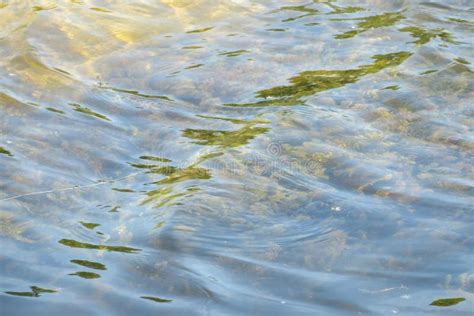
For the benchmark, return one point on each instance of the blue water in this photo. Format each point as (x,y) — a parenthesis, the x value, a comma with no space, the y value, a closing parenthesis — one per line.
(236,157)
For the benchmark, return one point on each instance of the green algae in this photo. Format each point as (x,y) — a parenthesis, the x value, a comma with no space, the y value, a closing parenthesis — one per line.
(461,21)
(38,8)
(200,30)
(427,72)
(224,139)
(194,66)
(234,53)
(276,30)
(370,22)
(174,174)
(55,110)
(3,151)
(311,82)
(165,193)
(103,10)
(137,93)
(123,190)
(86,275)
(424,36)
(89,225)
(192,47)
(36,291)
(462,61)
(299,8)
(87,111)
(77,244)
(89,264)
(184,174)
(164,196)
(156,299)
(155,158)
(444,302)
(343,10)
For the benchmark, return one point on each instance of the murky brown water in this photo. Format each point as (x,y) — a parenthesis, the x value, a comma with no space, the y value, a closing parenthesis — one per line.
(236,157)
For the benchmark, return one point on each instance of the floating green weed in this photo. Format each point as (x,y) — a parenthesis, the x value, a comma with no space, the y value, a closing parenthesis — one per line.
(89,264)
(424,36)
(200,30)
(35,292)
(87,111)
(311,82)
(156,299)
(370,22)
(235,53)
(443,302)
(77,244)
(5,152)
(86,275)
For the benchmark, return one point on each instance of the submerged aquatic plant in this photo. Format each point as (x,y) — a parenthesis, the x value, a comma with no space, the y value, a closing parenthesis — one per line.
(424,36)
(298,8)
(77,244)
(86,275)
(36,291)
(370,22)
(234,53)
(200,30)
(311,82)
(5,152)
(224,139)
(87,111)
(156,299)
(342,10)
(89,264)
(443,302)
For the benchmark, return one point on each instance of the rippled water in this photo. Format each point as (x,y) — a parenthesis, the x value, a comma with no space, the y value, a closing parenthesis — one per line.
(236,157)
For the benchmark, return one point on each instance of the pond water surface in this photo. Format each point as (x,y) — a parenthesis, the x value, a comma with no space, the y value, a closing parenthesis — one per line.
(236,157)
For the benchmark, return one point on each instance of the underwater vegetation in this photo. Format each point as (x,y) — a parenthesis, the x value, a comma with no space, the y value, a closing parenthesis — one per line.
(224,139)
(87,111)
(423,36)
(3,151)
(309,83)
(443,302)
(36,291)
(370,22)
(89,264)
(77,244)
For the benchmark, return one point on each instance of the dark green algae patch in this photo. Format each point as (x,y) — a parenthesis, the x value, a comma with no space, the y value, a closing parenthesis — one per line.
(308,83)
(156,299)
(343,10)
(89,225)
(370,22)
(424,36)
(87,111)
(200,30)
(444,302)
(89,264)
(224,139)
(36,291)
(3,151)
(234,53)
(77,244)
(86,275)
